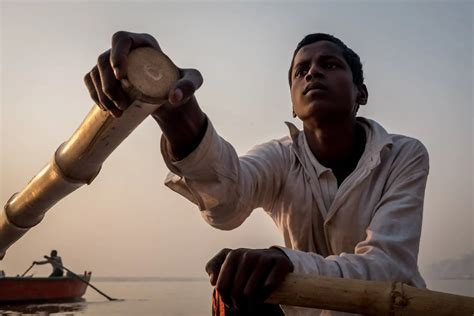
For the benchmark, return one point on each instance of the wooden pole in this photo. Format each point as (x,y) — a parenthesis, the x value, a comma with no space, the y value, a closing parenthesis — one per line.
(28,269)
(368,297)
(151,75)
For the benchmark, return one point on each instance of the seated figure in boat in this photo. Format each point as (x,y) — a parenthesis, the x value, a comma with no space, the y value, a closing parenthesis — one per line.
(56,262)
(346,194)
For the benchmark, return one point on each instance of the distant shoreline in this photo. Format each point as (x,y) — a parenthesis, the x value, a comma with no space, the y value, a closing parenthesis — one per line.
(456,279)
(147,279)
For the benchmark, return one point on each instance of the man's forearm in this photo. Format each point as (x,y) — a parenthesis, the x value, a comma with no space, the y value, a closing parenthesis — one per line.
(183,127)
(41,262)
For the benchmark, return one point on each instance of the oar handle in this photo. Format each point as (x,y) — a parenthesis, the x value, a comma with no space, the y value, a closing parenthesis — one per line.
(368,297)
(84,281)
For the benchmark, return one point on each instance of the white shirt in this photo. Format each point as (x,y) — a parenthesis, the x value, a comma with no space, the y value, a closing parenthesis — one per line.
(327,179)
(57,263)
(369,230)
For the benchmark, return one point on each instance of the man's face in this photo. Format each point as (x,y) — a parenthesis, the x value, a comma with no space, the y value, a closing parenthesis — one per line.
(322,86)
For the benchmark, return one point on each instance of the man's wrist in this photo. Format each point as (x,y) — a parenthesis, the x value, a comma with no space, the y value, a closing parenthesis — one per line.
(277,249)
(183,128)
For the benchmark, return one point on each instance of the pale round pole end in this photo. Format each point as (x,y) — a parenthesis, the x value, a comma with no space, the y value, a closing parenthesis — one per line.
(150,75)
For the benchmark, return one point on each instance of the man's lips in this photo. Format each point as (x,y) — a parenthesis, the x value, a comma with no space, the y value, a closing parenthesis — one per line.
(315,86)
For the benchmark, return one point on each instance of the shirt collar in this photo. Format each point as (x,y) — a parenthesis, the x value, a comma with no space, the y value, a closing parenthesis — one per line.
(320,169)
(377,139)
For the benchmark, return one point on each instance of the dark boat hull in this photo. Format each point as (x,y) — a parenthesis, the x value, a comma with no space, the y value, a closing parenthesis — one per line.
(18,290)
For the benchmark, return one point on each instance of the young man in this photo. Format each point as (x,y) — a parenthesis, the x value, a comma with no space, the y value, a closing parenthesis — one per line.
(347,196)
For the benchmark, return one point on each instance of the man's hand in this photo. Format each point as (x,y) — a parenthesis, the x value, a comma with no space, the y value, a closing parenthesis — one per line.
(103,81)
(245,277)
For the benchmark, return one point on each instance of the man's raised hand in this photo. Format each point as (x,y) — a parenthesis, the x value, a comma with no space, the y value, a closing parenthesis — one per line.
(103,81)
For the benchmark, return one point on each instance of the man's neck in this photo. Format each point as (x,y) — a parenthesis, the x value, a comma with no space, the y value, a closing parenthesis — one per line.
(336,146)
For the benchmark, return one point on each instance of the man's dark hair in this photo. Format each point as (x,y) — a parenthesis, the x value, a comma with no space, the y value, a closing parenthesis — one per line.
(349,55)
(54,253)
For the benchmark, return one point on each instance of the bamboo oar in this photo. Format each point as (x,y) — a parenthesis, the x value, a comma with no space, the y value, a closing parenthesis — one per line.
(78,161)
(84,281)
(28,269)
(368,297)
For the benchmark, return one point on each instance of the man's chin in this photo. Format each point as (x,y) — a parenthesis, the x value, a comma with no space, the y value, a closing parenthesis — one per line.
(322,112)
(316,109)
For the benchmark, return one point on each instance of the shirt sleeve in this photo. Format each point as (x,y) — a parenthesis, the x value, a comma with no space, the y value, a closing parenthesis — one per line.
(390,250)
(226,187)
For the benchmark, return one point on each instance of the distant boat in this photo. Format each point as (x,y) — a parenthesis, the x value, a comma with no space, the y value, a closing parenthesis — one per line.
(21,290)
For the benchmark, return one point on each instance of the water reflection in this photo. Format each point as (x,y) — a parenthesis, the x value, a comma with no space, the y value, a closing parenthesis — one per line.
(68,309)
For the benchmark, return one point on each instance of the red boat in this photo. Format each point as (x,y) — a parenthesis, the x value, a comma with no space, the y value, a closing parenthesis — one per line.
(21,290)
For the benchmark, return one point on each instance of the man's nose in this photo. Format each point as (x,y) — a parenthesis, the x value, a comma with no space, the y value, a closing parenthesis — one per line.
(313,72)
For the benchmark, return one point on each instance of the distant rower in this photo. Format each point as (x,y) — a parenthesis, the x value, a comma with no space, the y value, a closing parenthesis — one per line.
(56,262)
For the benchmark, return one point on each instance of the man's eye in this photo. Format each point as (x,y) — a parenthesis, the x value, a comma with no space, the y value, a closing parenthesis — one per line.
(330,65)
(300,72)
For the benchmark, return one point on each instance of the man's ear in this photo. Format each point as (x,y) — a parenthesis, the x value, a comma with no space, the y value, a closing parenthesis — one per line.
(362,95)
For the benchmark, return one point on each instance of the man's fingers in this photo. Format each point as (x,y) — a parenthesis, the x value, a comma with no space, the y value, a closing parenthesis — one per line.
(248,276)
(91,88)
(274,279)
(194,76)
(104,101)
(110,85)
(256,280)
(184,88)
(213,267)
(226,277)
(103,82)
(121,46)
(122,43)
(247,264)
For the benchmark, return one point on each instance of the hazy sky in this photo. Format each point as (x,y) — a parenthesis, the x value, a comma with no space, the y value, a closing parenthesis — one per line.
(418,65)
